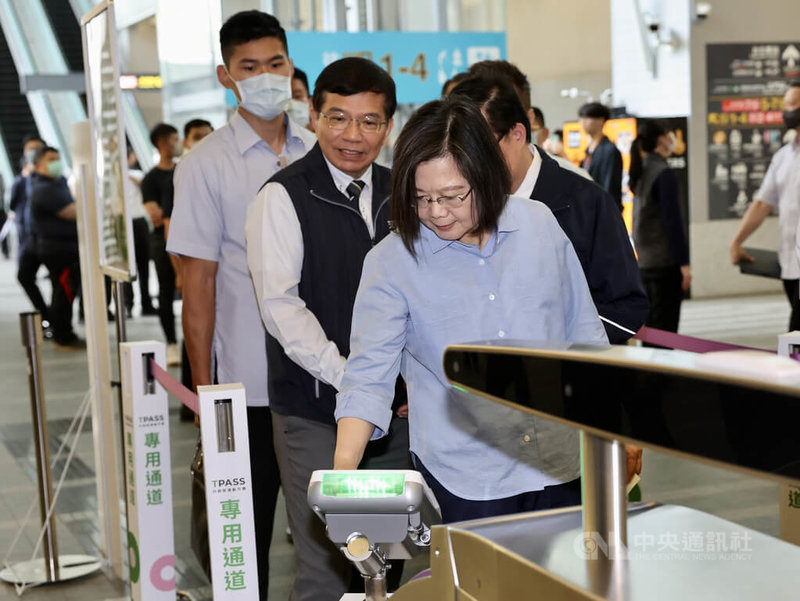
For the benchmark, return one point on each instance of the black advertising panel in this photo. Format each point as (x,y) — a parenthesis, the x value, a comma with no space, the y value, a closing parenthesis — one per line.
(745,88)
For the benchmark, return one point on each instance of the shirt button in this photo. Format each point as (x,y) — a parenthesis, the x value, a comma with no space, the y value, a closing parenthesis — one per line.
(482,262)
(491,297)
(501,333)
(526,438)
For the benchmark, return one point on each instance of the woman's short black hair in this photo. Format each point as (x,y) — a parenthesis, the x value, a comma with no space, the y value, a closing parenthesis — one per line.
(497,99)
(451,127)
(354,75)
(247,26)
(648,131)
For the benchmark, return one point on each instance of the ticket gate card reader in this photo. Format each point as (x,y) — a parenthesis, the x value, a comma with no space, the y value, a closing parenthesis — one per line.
(374,516)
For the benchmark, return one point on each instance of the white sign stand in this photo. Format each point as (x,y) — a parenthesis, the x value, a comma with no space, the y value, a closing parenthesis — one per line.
(229,493)
(106,445)
(148,470)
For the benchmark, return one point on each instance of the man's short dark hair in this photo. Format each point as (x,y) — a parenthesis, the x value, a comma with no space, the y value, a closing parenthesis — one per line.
(498,100)
(247,26)
(40,152)
(454,81)
(301,75)
(595,110)
(32,138)
(454,127)
(538,115)
(354,75)
(510,70)
(190,125)
(161,131)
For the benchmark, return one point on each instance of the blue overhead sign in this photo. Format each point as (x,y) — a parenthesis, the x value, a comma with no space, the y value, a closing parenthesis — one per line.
(419,62)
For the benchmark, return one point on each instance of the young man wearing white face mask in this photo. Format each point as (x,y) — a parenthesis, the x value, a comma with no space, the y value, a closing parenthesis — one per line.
(214,184)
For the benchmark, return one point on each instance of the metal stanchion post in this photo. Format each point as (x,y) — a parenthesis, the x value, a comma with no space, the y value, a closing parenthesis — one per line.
(605,513)
(31,324)
(605,506)
(119,305)
(52,568)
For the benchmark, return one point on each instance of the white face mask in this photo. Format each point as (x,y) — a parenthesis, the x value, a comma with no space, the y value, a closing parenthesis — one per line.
(298,110)
(265,95)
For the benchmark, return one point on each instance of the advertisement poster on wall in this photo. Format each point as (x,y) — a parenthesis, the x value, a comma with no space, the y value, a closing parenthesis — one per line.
(745,88)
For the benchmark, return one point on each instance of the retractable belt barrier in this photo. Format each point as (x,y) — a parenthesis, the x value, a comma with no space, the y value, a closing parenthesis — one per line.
(681,342)
(178,390)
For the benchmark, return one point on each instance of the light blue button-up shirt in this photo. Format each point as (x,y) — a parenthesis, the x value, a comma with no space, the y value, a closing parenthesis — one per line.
(526,283)
(214,184)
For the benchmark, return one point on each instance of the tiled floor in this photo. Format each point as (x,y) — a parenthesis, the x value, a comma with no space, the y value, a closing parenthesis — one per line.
(752,321)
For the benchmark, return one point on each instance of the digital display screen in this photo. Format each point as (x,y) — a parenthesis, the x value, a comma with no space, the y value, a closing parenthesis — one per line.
(363,486)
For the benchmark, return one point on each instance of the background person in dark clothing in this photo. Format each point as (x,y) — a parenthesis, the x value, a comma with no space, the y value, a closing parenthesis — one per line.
(28,260)
(141,237)
(54,214)
(3,217)
(585,212)
(157,194)
(603,161)
(658,233)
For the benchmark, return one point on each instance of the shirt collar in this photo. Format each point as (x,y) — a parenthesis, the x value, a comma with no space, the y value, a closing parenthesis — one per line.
(506,223)
(529,182)
(342,180)
(246,137)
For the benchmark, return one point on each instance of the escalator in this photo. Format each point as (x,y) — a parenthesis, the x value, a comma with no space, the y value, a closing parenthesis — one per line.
(67,31)
(16,119)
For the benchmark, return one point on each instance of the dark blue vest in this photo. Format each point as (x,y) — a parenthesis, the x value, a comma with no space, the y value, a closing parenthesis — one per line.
(335,242)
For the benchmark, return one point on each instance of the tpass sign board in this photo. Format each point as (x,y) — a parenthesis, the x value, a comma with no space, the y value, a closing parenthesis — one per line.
(229,492)
(148,474)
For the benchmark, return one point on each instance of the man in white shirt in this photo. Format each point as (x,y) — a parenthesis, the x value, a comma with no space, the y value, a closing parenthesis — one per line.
(780,189)
(214,184)
(307,235)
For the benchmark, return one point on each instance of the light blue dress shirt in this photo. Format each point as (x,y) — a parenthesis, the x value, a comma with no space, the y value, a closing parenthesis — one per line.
(214,185)
(526,283)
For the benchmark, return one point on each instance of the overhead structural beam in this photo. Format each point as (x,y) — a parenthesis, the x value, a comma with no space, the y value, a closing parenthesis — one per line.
(70,82)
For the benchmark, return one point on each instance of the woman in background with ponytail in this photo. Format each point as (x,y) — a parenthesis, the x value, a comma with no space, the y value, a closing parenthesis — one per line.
(658,233)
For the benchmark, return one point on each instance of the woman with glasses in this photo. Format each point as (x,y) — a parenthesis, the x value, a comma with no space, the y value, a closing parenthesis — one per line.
(466,262)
